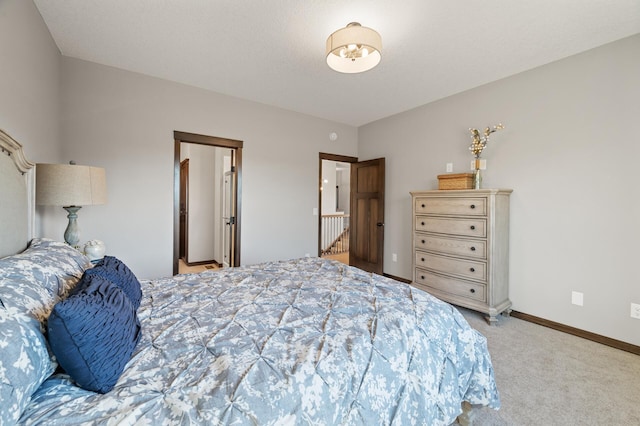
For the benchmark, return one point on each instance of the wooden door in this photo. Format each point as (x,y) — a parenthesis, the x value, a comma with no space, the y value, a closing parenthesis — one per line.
(184,208)
(366,242)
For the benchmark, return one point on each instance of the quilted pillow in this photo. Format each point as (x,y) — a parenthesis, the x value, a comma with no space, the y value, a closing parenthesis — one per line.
(24,363)
(33,281)
(118,273)
(93,333)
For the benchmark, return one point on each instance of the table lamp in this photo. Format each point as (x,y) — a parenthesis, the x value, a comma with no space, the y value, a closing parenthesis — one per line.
(70,186)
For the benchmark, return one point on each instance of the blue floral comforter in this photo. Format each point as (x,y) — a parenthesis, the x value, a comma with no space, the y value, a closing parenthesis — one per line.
(300,342)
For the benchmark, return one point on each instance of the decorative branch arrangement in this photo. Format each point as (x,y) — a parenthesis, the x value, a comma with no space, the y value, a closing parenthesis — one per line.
(479,142)
(477,145)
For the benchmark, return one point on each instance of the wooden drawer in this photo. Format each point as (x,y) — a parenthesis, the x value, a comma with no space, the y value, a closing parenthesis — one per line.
(472,269)
(461,247)
(442,225)
(451,206)
(466,289)
(469,248)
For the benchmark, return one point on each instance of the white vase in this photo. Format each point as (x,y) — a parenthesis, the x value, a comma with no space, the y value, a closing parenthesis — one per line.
(94,250)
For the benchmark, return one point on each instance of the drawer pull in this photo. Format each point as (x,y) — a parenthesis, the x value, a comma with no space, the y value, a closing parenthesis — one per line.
(473,227)
(422,277)
(473,206)
(473,290)
(422,259)
(423,206)
(473,248)
(422,223)
(423,241)
(472,269)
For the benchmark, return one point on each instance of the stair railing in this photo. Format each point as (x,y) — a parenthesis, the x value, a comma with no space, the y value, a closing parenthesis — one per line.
(335,233)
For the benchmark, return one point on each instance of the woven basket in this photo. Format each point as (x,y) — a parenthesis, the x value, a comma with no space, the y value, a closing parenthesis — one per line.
(455,181)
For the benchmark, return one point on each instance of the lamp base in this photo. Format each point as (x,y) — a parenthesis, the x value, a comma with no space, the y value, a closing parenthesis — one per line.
(72,233)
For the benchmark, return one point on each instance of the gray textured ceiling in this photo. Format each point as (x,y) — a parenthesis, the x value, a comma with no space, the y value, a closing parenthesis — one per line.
(272,52)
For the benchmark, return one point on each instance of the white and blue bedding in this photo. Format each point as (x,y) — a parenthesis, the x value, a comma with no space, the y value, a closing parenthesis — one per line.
(299,342)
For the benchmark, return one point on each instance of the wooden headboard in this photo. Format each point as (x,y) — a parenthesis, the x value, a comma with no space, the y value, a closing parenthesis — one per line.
(17,197)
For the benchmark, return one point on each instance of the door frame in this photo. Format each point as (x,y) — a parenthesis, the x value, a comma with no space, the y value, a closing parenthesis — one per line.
(330,157)
(236,146)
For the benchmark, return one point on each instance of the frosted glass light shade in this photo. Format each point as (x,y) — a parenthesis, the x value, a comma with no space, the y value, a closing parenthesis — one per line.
(70,185)
(354,49)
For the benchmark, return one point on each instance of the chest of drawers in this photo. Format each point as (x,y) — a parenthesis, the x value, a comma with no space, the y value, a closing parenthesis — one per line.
(461,247)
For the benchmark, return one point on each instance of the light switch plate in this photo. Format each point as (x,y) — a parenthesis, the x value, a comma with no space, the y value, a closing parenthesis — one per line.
(577,298)
(635,310)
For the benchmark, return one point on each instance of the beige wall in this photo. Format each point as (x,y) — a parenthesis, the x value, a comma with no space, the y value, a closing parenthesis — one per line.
(30,90)
(29,81)
(125,121)
(203,195)
(569,151)
(202,203)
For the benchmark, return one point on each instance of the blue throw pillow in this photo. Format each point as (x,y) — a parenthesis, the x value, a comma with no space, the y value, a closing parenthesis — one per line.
(118,273)
(93,333)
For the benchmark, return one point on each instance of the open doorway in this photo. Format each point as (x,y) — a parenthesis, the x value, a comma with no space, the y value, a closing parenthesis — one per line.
(363,229)
(334,207)
(207,188)
(206,210)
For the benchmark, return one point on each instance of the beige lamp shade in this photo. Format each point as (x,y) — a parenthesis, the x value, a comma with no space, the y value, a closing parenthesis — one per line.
(70,185)
(354,49)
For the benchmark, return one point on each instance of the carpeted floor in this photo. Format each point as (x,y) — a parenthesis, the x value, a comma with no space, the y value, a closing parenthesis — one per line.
(546,377)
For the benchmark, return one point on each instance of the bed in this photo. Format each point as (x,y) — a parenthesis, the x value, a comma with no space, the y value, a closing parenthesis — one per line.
(296,342)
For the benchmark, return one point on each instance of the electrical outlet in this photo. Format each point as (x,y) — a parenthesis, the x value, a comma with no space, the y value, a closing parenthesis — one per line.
(635,310)
(449,167)
(577,298)
(394,257)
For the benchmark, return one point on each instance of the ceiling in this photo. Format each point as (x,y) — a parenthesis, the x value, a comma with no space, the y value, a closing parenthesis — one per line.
(273,52)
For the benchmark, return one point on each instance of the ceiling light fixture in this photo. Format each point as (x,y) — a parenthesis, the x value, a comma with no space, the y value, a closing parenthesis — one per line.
(354,49)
